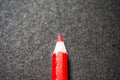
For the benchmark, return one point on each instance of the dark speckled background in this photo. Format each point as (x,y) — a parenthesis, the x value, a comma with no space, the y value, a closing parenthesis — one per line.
(29,29)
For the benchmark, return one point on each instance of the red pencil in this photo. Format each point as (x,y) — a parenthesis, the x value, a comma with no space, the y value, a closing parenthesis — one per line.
(60,61)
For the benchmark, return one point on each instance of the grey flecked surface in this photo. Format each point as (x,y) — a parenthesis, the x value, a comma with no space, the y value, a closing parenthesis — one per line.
(29,29)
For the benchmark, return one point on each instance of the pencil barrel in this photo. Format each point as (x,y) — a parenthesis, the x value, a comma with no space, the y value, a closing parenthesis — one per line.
(60,66)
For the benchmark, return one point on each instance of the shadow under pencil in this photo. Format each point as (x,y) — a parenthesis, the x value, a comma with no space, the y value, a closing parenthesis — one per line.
(69,69)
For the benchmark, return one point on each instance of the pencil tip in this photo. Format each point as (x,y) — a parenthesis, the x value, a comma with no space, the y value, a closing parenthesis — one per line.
(60,38)
(60,46)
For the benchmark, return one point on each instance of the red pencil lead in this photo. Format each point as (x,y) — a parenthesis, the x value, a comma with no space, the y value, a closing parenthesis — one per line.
(60,38)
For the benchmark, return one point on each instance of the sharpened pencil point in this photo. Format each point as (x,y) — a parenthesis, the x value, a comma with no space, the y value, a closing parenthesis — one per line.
(60,39)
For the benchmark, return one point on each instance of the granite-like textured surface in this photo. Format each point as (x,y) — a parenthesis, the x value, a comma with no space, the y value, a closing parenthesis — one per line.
(29,29)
